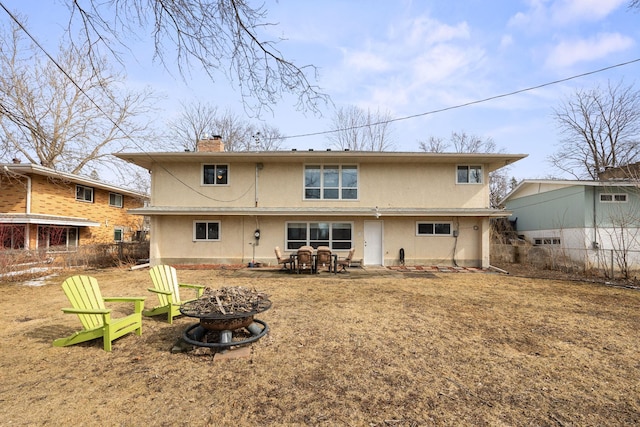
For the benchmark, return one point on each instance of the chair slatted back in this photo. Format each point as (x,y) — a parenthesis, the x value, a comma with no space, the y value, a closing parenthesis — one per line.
(278,253)
(165,278)
(83,293)
(350,256)
(305,255)
(323,255)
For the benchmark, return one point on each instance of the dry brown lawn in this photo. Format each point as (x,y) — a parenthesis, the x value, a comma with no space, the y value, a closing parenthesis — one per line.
(446,349)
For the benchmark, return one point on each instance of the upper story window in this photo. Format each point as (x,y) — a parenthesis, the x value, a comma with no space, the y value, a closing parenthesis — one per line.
(613,197)
(215,174)
(433,228)
(331,182)
(84,194)
(469,174)
(206,231)
(115,200)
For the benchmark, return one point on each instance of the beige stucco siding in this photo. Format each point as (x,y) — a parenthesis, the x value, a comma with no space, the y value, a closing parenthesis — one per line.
(282,185)
(174,234)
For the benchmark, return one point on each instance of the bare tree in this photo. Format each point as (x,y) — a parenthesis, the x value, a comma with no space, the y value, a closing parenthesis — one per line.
(201,120)
(361,130)
(219,36)
(434,144)
(70,122)
(600,129)
(461,142)
(196,121)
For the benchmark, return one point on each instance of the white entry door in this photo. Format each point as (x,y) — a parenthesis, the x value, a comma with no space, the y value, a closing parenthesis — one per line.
(373,243)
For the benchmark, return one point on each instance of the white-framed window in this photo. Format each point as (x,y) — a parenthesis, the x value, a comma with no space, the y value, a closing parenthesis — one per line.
(433,229)
(613,197)
(546,241)
(58,239)
(206,231)
(84,194)
(215,174)
(331,182)
(118,234)
(336,235)
(115,200)
(469,174)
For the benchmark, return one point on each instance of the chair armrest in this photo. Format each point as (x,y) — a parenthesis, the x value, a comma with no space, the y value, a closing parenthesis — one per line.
(187,285)
(198,288)
(160,291)
(138,302)
(86,311)
(124,299)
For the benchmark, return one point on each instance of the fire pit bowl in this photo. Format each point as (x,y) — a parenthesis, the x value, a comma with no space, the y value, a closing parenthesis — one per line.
(222,312)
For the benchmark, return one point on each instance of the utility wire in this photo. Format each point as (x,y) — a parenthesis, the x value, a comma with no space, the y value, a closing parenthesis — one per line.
(413,116)
(467,104)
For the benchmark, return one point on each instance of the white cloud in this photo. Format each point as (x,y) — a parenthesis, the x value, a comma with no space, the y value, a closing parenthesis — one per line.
(541,13)
(506,41)
(569,52)
(582,10)
(366,61)
(416,55)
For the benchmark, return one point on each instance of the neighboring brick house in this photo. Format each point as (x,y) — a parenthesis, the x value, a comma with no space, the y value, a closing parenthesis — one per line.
(41,208)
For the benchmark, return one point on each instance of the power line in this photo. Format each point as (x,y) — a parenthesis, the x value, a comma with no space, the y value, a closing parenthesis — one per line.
(466,104)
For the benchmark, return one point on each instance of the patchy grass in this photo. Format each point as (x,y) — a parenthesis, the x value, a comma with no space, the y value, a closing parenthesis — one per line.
(444,349)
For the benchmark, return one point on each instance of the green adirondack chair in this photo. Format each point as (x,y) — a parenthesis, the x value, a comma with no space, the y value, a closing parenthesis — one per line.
(87,301)
(166,286)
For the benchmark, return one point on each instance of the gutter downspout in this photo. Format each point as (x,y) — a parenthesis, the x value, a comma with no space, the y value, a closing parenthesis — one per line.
(594,241)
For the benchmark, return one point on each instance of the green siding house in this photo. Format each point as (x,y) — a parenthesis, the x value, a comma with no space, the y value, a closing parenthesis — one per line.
(590,222)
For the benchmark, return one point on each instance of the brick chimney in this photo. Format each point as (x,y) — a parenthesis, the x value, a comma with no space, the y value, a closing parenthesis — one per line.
(211,145)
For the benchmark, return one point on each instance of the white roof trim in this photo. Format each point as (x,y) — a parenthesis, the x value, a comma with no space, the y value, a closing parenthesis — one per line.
(47,220)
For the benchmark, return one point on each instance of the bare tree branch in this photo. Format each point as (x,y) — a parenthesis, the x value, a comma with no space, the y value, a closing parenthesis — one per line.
(52,119)
(201,120)
(361,130)
(217,36)
(600,128)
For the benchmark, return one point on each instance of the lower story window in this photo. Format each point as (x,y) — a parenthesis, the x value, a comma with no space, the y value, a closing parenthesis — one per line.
(433,229)
(58,238)
(12,236)
(206,230)
(118,234)
(336,235)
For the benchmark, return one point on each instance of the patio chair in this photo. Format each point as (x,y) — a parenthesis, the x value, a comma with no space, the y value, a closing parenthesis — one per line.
(344,263)
(287,263)
(87,301)
(324,258)
(166,286)
(304,259)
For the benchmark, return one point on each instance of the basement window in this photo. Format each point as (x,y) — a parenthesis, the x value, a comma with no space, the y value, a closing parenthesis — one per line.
(547,241)
(613,197)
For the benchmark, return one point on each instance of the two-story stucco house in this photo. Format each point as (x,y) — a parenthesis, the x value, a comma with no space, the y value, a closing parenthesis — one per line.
(41,208)
(208,206)
(585,221)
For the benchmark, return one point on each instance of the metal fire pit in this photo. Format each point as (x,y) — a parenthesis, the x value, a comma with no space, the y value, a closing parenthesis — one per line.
(216,329)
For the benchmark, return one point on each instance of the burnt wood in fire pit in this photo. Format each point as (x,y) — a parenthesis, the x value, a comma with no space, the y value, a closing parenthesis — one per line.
(222,311)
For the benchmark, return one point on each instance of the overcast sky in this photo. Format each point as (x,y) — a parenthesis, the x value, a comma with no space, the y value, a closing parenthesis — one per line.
(415,57)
